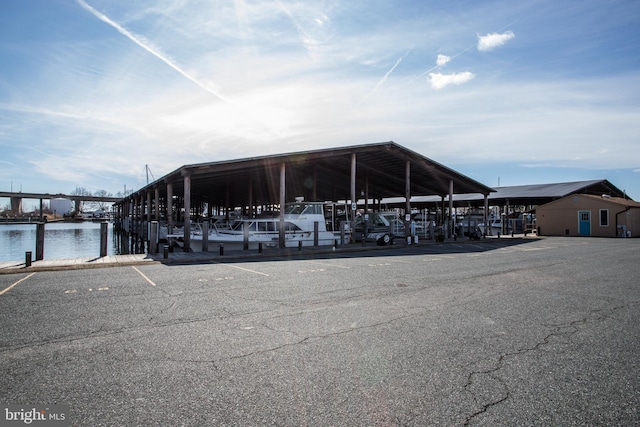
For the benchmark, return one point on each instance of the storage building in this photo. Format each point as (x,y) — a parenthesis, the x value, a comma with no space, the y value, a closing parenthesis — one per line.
(589,215)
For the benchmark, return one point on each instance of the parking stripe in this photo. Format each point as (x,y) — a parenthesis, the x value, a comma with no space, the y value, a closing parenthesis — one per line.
(326,264)
(402,262)
(243,269)
(145,277)
(18,282)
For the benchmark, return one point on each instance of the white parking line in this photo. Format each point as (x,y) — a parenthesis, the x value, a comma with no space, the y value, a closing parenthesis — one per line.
(75,291)
(145,277)
(18,282)
(242,268)
(539,248)
(328,264)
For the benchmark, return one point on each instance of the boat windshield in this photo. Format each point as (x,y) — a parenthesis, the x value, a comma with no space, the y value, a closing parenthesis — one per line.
(265,226)
(261,226)
(303,209)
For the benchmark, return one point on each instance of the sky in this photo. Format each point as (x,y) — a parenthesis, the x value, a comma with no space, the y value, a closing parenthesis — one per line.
(506,92)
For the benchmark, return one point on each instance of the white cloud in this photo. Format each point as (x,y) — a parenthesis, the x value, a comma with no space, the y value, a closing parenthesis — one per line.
(493,40)
(442,60)
(439,80)
(293,79)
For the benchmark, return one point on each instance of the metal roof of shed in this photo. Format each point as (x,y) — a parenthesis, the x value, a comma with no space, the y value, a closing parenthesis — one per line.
(381,165)
(557,190)
(534,194)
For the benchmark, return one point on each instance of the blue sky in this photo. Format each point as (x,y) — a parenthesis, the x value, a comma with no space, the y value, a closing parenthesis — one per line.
(506,92)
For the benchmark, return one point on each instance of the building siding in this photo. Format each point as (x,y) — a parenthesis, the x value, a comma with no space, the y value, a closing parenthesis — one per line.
(562,217)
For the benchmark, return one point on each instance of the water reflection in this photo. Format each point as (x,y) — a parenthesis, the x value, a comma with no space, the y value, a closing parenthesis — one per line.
(64,240)
(126,245)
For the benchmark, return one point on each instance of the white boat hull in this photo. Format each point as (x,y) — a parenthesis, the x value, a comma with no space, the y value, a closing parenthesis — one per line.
(302,220)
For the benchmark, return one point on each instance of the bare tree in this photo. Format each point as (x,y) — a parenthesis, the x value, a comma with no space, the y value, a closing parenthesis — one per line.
(81,191)
(102,205)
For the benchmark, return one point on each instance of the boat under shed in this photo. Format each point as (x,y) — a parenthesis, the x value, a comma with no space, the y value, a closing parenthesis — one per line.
(509,200)
(368,173)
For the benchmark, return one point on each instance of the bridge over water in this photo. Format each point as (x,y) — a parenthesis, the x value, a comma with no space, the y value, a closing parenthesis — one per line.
(17,197)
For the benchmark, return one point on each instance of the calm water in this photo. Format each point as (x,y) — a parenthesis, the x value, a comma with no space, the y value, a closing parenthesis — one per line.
(61,240)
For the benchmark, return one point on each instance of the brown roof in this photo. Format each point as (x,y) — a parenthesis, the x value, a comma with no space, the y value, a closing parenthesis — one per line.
(381,165)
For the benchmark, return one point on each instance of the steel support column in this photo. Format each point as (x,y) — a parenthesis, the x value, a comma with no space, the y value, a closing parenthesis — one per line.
(486,214)
(314,193)
(366,194)
(407,196)
(169,205)
(354,200)
(250,205)
(156,211)
(187,210)
(148,205)
(283,188)
(452,218)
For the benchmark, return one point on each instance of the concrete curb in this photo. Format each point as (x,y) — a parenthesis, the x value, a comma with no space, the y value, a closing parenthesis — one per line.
(183,258)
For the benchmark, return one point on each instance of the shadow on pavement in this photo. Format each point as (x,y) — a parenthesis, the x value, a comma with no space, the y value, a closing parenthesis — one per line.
(345,251)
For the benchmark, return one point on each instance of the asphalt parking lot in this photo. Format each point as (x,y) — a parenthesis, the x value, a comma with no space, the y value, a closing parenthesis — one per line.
(492,333)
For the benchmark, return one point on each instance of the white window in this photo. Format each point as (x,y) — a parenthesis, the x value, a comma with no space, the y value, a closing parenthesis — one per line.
(604,217)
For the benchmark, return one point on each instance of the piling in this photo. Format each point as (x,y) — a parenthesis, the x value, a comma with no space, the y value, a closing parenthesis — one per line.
(27,259)
(104,226)
(365,229)
(40,241)
(316,232)
(153,237)
(205,236)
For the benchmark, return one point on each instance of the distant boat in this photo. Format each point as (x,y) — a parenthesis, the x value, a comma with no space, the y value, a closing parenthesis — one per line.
(495,227)
(299,223)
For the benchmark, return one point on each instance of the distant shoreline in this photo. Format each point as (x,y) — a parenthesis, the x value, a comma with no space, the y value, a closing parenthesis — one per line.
(12,221)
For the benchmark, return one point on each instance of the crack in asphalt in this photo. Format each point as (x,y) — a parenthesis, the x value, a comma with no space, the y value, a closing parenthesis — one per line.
(100,332)
(566,330)
(316,337)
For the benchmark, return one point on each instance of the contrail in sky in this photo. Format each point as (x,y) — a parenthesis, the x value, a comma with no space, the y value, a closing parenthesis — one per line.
(463,51)
(454,56)
(384,78)
(149,49)
(170,63)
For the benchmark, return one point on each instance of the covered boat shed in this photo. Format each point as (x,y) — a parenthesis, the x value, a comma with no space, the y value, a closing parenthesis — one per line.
(360,172)
(530,195)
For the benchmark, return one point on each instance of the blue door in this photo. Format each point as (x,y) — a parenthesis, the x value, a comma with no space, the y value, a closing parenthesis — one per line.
(584,223)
